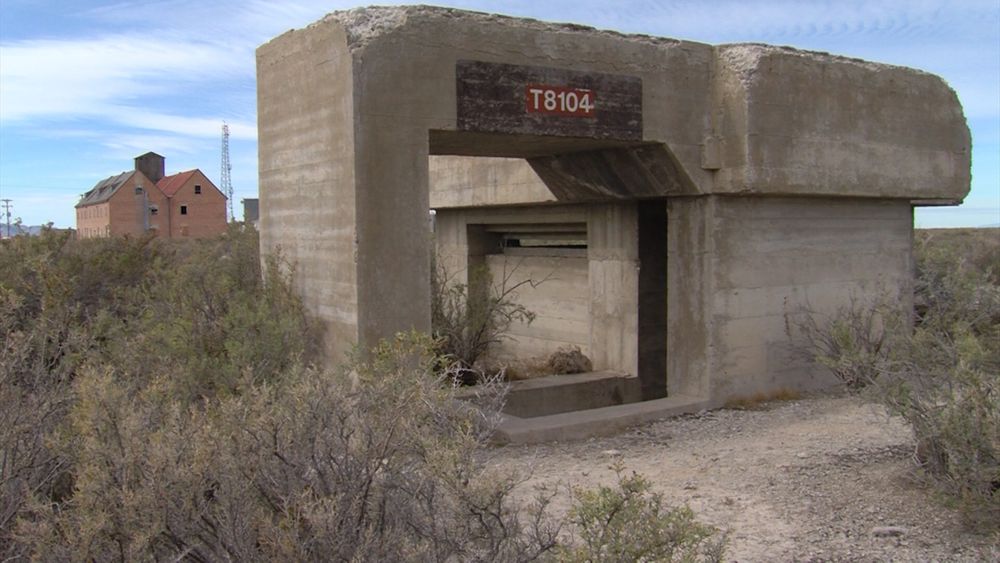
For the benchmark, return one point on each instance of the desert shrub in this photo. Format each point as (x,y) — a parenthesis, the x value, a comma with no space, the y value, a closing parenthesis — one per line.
(943,375)
(63,300)
(141,306)
(630,523)
(855,343)
(220,316)
(468,319)
(371,462)
(156,404)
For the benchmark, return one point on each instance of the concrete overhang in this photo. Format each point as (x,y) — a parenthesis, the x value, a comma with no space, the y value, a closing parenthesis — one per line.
(737,119)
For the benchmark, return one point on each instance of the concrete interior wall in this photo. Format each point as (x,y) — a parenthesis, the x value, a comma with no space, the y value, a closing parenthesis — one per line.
(462,181)
(560,302)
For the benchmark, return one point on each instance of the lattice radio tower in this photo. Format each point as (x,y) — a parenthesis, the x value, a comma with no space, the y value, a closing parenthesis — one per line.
(227,168)
(5,203)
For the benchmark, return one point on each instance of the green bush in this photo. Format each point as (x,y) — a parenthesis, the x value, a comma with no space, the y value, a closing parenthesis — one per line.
(63,302)
(945,376)
(217,318)
(629,523)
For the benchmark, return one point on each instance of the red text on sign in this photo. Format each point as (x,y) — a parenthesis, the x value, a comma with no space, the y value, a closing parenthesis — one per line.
(559,100)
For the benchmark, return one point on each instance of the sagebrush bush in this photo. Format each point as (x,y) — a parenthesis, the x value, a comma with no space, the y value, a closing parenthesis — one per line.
(855,343)
(157,403)
(371,462)
(469,319)
(117,304)
(219,317)
(630,523)
(943,374)
(63,302)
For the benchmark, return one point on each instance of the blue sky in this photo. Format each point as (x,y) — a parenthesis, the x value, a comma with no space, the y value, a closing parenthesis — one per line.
(85,86)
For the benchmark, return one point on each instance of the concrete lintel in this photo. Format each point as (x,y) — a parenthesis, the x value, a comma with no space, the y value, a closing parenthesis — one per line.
(617,174)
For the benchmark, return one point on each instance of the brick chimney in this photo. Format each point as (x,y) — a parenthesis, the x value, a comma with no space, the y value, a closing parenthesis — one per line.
(150,164)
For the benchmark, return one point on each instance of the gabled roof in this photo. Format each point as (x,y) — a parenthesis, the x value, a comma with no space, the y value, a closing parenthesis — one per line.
(170,184)
(104,189)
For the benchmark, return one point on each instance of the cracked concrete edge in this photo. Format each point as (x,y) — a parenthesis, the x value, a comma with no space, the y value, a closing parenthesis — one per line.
(366,24)
(744,59)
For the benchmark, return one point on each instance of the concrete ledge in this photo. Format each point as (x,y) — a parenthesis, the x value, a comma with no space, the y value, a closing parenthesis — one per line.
(594,422)
(556,394)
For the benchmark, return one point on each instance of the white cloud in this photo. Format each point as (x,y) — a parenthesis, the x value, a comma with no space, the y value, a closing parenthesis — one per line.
(89,77)
(181,125)
(115,84)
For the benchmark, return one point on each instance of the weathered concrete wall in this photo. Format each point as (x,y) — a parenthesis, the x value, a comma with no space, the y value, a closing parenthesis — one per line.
(690,244)
(305,108)
(613,254)
(770,259)
(560,301)
(462,181)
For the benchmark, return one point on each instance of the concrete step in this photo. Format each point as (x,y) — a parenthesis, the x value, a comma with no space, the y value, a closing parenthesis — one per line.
(555,394)
(604,421)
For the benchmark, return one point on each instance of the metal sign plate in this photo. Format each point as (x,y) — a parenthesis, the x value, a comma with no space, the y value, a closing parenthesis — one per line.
(528,100)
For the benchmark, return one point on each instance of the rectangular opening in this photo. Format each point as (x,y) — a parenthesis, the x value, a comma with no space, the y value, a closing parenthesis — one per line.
(652,359)
(552,239)
(547,263)
(197,189)
(184,210)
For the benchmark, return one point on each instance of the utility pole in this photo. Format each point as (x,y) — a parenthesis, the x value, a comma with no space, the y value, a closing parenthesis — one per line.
(6,213)
(227,168)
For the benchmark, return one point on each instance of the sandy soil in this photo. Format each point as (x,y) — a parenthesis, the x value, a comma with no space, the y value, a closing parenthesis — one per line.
(825,478)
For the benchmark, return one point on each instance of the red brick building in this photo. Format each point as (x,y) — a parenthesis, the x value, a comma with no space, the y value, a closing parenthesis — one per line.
(186,204)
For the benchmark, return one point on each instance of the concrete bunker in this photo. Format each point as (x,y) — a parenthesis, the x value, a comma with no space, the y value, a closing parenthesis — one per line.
(719,188)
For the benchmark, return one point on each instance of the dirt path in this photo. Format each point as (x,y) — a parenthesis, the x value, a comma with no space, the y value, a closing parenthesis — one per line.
(817,479)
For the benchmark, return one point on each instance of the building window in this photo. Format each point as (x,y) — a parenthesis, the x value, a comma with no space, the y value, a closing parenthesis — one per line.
(153,209)
(184,210)
(197,189)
